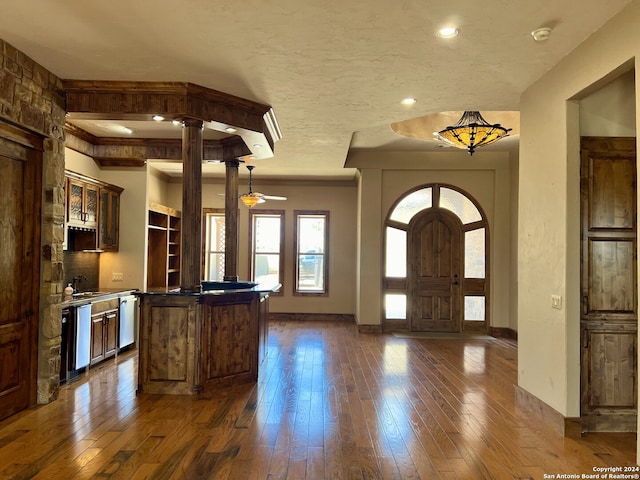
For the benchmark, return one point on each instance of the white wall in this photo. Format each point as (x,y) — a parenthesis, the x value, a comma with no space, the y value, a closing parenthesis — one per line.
(386,176)
(339,198)
(548,229)
(610,111)
(131,257)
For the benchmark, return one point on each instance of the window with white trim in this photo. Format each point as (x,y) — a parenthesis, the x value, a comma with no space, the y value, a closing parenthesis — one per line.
(214,243)
(266,232)
(311,246)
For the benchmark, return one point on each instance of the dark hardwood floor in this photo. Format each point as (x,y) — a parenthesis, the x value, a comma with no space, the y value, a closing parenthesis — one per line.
(330,403)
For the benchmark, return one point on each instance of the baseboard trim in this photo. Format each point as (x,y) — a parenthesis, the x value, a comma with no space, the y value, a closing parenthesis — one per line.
(502,332)
(370,329)
(311,317)
(547,414)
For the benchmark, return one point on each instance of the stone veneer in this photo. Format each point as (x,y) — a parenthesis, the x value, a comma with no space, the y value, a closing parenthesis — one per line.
(33,98)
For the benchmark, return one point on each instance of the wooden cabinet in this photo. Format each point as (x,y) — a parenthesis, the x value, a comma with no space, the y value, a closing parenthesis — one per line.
(191,344)
(108,231)
(104,330)
(92,213)
(234,334)
(163,255)
(82,204)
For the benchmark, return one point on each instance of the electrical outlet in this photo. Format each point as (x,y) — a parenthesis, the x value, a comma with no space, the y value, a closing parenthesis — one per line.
(117,277)
(556,301)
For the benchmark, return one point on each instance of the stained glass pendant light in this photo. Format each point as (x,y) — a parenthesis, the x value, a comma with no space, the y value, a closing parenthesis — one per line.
(472,131)
(250,199)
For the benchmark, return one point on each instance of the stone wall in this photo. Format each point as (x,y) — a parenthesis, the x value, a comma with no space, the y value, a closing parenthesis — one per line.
(33,98)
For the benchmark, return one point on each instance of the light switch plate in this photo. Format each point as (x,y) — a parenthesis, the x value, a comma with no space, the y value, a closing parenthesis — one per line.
(556,301)
(117,277)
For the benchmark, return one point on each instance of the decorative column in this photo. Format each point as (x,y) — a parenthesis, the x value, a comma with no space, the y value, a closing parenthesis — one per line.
(191,233)
(231,221)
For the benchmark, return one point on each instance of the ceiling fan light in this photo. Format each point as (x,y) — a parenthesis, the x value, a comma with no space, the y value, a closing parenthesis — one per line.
(249,200)
(472,131)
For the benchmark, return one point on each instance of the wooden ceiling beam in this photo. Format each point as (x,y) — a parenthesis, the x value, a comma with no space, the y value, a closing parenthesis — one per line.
(253,122)
(112,151)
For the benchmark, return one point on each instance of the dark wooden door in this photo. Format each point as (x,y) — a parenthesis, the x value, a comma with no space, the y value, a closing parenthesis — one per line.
(434,253)
(609,320)
(20,193)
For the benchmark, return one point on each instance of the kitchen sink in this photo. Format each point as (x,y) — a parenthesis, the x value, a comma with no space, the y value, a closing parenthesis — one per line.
(87,294)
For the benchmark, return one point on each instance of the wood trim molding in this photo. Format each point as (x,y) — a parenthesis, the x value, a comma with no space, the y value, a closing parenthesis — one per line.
(550,416)
(134,152)
(85,178)
(375,329)
(254,123)
(503,332)
(317,317)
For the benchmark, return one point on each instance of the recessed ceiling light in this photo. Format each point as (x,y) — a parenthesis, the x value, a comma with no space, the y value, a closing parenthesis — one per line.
(541,34)
(158,118)
(408,101)
(230,130)
(448,32)
(176,122)
(127,130)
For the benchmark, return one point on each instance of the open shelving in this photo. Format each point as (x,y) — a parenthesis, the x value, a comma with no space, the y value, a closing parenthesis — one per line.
(163,255)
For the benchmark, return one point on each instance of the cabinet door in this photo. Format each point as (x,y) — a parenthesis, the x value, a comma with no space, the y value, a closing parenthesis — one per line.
(97,338)
(82,204)
(75,202)
(108,234)
(91,205)
(110,333)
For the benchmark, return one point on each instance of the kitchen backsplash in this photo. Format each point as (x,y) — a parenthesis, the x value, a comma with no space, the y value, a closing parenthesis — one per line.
(84,265)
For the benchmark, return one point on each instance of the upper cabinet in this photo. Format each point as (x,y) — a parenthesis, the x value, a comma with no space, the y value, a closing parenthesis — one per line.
(92,213)
(109,215)
(82,204)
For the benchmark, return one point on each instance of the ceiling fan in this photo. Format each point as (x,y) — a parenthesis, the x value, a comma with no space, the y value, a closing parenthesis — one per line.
(252,198)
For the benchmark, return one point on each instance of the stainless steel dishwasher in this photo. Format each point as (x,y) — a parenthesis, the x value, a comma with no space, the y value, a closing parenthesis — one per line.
(127,321)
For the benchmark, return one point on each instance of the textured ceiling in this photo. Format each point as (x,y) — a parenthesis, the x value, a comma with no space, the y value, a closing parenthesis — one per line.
(333,71)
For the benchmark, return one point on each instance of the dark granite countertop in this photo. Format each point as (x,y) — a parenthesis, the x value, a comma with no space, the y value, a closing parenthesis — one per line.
(82,298)
(218,288)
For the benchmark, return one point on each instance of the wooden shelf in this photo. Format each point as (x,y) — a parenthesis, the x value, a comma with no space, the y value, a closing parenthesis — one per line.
(163,255)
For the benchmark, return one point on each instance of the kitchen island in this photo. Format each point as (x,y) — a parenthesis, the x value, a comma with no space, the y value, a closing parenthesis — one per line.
(193,342)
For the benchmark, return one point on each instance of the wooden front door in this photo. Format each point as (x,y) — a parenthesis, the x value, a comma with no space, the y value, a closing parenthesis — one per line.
(609,320)
(434,253)
(20,193)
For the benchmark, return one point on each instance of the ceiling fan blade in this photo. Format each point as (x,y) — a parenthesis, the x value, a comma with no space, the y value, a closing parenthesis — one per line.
(274,197)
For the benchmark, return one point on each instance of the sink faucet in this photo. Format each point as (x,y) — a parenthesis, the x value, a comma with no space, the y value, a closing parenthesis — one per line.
(76,280)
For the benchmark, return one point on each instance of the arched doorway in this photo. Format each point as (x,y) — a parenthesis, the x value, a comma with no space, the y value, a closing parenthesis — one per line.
(435,262)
